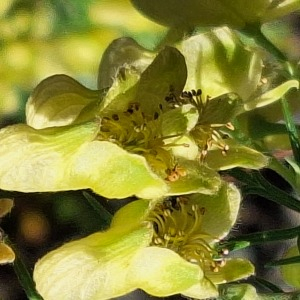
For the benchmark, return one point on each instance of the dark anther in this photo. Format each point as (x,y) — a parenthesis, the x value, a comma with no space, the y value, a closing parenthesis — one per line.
(156,115)
(115,117)
(199,92)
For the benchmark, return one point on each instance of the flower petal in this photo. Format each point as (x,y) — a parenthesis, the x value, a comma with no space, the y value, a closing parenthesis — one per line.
(95,267)
(281,9)
(272,95)
(179,120)
(121,53)
(57,101)
(7,255)
(218,63)
(234,269)
(291,272)
(198,179)
(203,290)
(221,110)
(240,291)
(221,210)
(236,156)
(6,206)
(161,272)
(149,89)
(69,158)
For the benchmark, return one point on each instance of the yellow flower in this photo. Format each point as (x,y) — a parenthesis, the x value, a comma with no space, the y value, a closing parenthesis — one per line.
(164,248)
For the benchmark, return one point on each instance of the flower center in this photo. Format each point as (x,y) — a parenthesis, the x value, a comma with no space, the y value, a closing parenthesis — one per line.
(177,226)
(207,135)
(140,134)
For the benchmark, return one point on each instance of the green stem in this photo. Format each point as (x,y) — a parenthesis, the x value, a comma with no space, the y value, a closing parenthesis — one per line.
(292,130)
(285,261)
(284,172)
(267,284)
(23,274)
(265,236)
(256,184)
(254,31)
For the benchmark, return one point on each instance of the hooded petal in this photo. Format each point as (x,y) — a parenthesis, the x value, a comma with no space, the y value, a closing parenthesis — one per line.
(218,63)
(57,101)
(121,53)
(69,158)
(221,210)
(95,267)
(166,73)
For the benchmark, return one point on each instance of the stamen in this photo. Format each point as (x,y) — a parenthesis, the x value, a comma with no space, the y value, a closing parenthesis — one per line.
(181,232)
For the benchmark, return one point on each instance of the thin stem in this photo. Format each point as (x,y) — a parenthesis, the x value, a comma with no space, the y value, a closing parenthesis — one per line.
(256,184)
(285,261)
(106,216)
(292,130)
(267,284)
(23,274)
(266,236)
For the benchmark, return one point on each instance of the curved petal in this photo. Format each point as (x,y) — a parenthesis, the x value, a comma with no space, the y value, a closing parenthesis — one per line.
(179,120)
(95,267)
(234,269)
(271,96)
(132,214)
(120,53)
(69,158)
(161,272)
(57,101)
(205,289)
(6,206)
(218,63)
(166,73)
(7,255)
(236,156)
(198,179)
(221,210)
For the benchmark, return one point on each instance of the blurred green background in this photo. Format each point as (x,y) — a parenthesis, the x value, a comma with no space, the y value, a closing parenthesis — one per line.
(39,38)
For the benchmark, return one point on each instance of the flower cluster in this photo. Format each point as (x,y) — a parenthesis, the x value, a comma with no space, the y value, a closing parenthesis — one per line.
(160,127)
